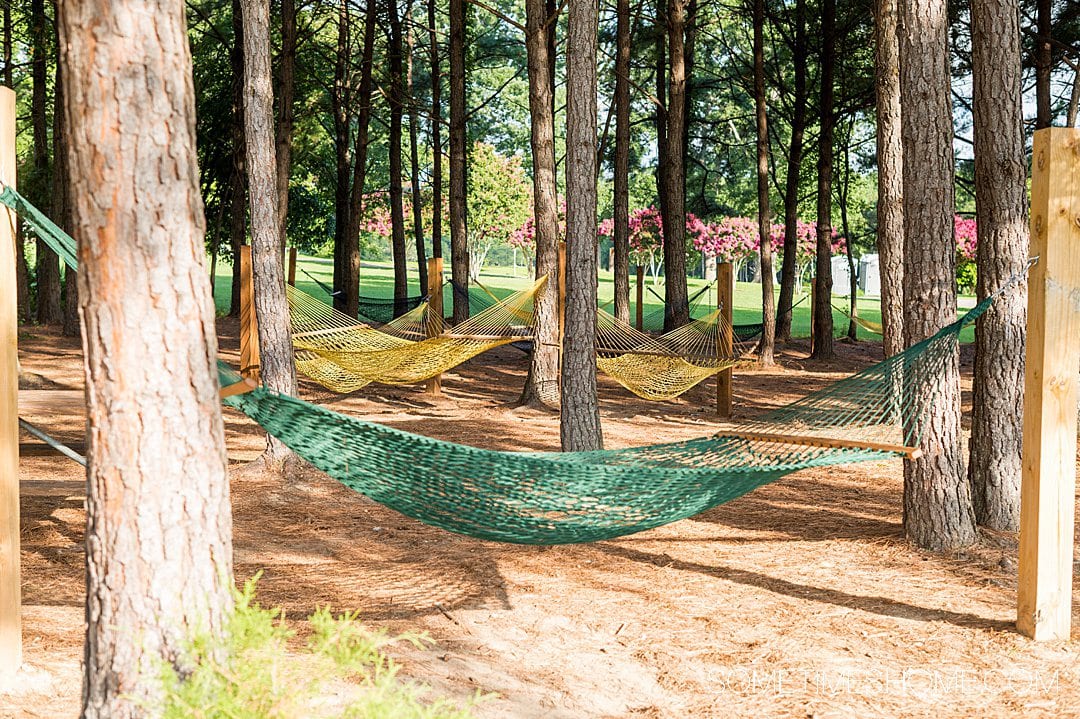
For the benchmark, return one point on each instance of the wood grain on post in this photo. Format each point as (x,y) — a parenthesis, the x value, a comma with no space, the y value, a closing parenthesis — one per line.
(725,339)
(435,312)
(10,583)
(813,304)
(291,278)
(1048,485)
(641,298)
(249,326)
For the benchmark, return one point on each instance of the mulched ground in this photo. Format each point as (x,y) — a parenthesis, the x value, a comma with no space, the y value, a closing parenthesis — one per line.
(801,599)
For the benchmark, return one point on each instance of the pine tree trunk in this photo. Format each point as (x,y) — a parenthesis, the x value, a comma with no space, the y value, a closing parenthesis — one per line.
(49,311)
(660,119)
(436,134)
(397,214)
(271,307)
(351,254)
(938,513)
(1001,201)
(676,305)
(542,383)
(622,161)
(414,171)
(768,309)
(799,58)
(22,273)
(1044,63)
(580,419)
(62,201)
(890,165)
(823,286)
(286,87)
(158,535)
(340,107)
(238,178)
(459,251)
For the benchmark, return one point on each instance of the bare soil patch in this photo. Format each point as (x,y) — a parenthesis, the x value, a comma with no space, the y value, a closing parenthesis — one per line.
(801,599)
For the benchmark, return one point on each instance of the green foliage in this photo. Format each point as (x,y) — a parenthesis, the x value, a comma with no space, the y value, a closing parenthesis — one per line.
(500,199)
(250,673)
(966,276)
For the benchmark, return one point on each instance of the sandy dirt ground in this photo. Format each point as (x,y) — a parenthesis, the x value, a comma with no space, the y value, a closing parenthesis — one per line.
(801,599)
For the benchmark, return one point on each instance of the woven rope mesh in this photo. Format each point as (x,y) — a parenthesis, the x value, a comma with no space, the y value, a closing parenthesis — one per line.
(558,498)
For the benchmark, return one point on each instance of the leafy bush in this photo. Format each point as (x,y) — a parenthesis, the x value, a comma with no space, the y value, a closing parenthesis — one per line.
(248,672)
(966,276)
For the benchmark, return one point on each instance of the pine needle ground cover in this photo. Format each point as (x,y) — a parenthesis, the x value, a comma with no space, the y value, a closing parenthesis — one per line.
(808,581)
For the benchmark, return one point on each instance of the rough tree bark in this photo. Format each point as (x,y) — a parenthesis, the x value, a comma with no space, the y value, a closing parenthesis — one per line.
(414,167)
(397,213)
(660,120)
(62,200)
(768,309)
(22,273)
(890,165)
(1001,202)
(267,262)
(789,266)
(286,113)
(1044,65)
(823,284)
(351,253)
(238,179)
(542,383)
(49,310)
(341,112)
(676,303)
(158,535)
(459,250)
(938,513)
(622,160)
(580,420)
(436,134)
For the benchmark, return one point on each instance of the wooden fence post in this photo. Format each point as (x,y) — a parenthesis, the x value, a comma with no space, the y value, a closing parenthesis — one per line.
(292,267)
(641,298)
(725,339)
(813,305)
(435,312)
(249,326)
(10,583)
(1048,486)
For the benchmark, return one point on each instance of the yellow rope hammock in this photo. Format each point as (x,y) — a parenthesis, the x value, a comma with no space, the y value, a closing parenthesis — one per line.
(343,355)
(663,367)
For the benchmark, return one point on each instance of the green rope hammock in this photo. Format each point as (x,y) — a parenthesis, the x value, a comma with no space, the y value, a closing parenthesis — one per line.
(561,498)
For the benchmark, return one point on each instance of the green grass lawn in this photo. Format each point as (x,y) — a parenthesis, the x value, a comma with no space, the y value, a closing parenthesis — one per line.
(377,280)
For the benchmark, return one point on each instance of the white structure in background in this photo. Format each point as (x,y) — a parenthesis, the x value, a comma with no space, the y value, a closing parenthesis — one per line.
(841,278)
(870,275)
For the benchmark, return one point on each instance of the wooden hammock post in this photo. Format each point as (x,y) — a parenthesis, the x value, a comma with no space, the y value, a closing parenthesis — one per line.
(725,339)
(813,304)
(292,267)
(435,312)
(10,583)
(562,302)
(641,298)
(1048,485)
(249,326)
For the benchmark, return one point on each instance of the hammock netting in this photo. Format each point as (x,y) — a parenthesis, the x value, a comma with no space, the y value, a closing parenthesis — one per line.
(381,310)
(343,355)
(560,498)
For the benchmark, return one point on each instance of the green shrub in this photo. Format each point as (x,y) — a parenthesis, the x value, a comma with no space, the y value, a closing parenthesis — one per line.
(342,673)
(966,276)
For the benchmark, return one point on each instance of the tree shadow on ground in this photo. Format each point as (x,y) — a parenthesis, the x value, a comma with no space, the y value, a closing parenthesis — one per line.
(882,606)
